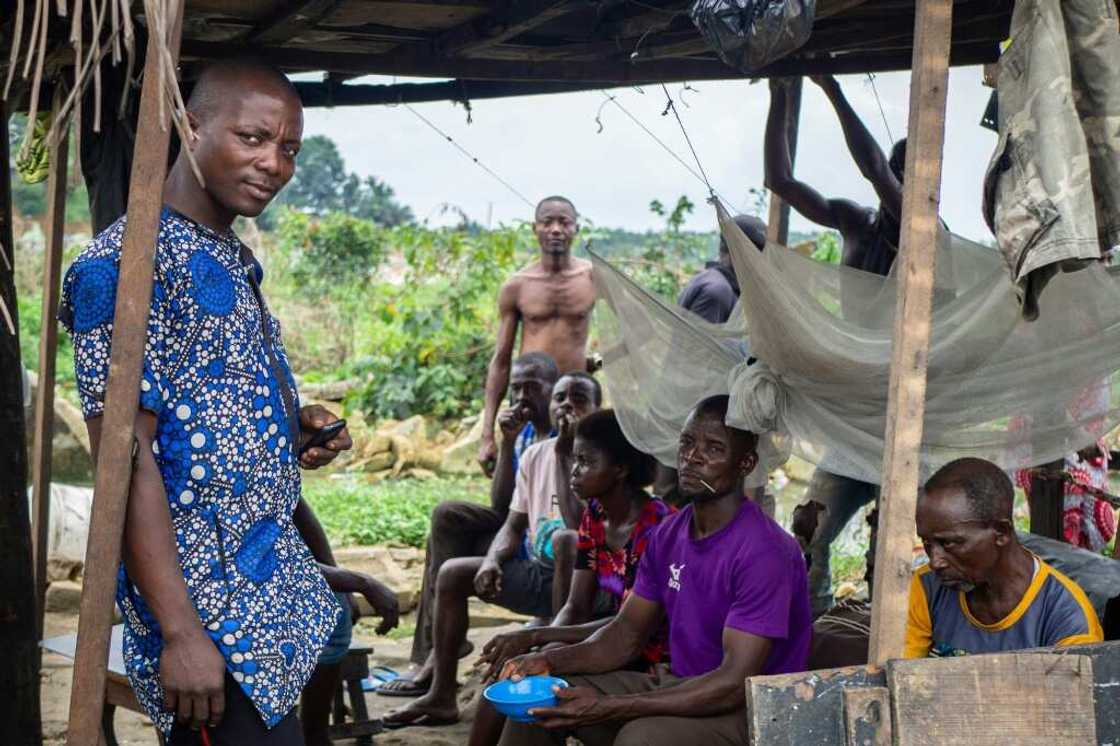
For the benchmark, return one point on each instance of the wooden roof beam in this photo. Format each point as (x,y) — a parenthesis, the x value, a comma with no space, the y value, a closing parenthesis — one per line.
(326,94)
(515,17)
(412,63)
(292,17)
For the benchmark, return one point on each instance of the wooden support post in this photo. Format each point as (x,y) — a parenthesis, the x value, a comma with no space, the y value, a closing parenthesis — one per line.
(114,463)
(48,344)
(19,671)
(907,393)
(1048,502)
(777,226)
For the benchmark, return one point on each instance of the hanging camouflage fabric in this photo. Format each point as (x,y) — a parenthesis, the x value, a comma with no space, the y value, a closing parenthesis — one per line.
(33,161)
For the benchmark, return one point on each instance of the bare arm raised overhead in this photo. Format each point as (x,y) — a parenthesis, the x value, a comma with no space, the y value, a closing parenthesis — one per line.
(867,154)
(838,214)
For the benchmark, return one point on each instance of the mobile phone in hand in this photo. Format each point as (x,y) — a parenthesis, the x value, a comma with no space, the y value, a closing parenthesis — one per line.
(322,436)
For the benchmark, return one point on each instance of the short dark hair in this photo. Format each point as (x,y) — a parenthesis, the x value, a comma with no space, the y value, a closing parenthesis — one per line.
(987,487)
(542,362)
(753,228)
(555,198)
(717,406)
(211,87)
(603,430)
(596,388)
(897,161)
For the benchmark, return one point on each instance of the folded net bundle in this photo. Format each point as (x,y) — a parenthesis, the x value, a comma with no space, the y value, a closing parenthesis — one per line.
(806,360)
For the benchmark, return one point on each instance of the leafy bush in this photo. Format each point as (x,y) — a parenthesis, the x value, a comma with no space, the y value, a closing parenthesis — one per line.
(335,249)
(409,310)
(435,328)
(828,248)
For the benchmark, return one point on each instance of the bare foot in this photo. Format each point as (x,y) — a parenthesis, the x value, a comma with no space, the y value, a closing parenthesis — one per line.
(426,710)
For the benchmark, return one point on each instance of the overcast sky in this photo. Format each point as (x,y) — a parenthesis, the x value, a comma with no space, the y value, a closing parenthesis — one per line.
(551,144)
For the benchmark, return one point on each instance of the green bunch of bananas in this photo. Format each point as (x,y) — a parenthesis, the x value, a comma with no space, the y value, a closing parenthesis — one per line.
(33,162)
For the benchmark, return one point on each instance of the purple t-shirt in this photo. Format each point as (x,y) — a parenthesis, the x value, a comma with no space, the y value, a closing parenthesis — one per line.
(749,576)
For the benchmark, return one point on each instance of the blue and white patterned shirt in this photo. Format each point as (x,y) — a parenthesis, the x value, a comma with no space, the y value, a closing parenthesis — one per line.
(219,384)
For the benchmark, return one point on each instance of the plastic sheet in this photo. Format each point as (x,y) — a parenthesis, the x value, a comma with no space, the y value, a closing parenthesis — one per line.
(750,34)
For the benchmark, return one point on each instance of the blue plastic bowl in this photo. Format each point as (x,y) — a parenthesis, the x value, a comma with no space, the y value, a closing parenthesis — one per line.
(515,699)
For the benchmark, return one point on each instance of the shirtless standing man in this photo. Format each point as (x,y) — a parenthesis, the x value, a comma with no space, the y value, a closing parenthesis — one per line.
(551,301)
(870,237)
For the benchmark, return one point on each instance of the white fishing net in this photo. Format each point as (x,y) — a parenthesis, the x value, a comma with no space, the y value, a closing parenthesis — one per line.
(1016,393)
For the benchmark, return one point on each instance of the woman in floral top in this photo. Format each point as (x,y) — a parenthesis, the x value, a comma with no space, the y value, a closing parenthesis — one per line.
(610,476)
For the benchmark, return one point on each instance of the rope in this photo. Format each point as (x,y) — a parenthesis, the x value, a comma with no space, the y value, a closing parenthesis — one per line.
(883,114)
(466,153)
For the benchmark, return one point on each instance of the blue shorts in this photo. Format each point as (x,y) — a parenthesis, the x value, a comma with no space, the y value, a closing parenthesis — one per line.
(338,644)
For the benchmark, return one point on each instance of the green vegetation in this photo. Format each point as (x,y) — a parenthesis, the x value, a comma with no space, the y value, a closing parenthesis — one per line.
(355,512)
(322,185)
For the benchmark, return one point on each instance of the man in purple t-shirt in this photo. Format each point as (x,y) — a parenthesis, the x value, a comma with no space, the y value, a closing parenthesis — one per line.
(734,588)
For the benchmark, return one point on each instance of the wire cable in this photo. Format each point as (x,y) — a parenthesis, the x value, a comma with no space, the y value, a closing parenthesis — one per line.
(703,180)
(474,158)
(673,108)
(882,113)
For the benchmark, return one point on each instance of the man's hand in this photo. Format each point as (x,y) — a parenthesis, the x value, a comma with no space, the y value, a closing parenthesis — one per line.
(504,647)
(565,435)
(192,673)
(511,421)
(312,418)
(488,580)
(383,601)
(487,455)
(530,664)
(575,706)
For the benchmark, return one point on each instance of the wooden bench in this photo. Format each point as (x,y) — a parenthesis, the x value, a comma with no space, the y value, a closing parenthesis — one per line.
(118,692)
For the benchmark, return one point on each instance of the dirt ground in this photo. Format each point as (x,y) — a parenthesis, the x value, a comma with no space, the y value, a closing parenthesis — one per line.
(134,729)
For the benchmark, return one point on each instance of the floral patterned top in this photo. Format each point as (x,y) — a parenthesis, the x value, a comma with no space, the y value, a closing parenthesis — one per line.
(616,569)
(217,379)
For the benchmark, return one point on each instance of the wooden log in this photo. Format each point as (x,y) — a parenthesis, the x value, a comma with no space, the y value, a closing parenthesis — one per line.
(19,665)
(804,709)
(867,716)
(114,464)
(777,225)
(991,700)
(54,230)
(1047,502)
(909,357)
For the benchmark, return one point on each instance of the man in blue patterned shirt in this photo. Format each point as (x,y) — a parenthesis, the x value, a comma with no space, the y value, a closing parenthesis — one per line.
(225,609)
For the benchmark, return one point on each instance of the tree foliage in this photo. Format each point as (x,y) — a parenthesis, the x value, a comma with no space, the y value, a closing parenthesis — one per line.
(322,185)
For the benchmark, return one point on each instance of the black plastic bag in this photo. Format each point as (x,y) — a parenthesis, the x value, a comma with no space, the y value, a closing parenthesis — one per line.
(750,34)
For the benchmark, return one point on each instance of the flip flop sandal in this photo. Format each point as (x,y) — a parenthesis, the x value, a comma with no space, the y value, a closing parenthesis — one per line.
(378,675)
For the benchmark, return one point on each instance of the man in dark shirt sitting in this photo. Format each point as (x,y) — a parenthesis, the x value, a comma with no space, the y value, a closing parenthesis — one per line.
(713,292)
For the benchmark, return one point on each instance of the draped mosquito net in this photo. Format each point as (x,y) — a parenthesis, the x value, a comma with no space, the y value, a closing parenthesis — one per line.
(806,359)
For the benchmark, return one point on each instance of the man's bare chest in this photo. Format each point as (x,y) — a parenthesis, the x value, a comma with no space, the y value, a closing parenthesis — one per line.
(554,299)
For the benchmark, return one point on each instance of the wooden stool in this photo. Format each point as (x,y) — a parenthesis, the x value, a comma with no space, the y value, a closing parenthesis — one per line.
(355,668)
